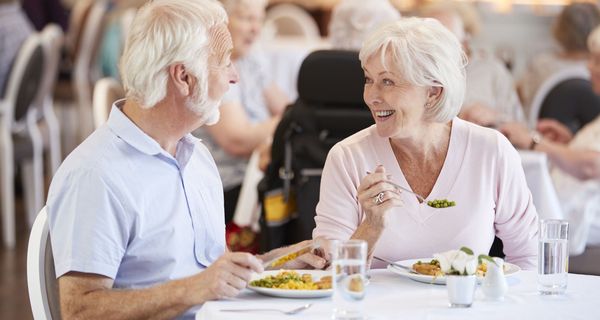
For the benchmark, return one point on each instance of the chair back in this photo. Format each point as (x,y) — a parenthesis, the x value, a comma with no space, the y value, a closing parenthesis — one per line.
(41,277)
(546,88)
(287,19)
(106,91)
(52,39)
(24,82)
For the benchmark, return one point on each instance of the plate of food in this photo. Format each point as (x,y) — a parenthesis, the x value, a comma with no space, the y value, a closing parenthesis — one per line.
(428,270)
(293,283)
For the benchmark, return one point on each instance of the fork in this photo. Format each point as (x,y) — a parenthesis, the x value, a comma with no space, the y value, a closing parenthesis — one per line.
(288,312)
(404,189)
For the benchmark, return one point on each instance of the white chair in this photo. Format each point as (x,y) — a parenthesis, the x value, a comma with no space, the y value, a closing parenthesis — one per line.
(290,20)
(41,278)
(20,139)
(85,69)
(548,85)
(52,39)
(106,91)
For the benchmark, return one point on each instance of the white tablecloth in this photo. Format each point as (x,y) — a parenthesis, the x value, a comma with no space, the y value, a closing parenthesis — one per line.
(390,296)
(535,165)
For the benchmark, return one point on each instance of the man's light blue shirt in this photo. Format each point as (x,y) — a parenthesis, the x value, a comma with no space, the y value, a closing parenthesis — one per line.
(122,207)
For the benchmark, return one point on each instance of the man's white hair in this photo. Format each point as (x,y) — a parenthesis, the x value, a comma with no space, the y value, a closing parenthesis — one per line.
(165,32)
(233,5)
(424,53)
(353,20)
(594,40)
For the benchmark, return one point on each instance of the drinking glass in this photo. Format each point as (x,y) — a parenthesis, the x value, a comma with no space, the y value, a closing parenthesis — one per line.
(349,279)
(553,256)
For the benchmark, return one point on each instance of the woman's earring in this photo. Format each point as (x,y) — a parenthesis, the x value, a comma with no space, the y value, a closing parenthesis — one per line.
(427,105)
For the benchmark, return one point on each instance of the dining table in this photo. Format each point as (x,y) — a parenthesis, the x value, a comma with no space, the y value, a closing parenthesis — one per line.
(391,296)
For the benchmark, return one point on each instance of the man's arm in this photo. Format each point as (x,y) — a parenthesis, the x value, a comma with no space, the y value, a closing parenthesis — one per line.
(91,296)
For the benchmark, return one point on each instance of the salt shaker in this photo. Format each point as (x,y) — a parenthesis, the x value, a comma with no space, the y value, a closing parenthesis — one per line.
(494,284)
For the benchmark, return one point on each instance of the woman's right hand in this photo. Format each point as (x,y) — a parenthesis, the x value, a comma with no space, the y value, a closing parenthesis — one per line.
(377,197)
(554,131)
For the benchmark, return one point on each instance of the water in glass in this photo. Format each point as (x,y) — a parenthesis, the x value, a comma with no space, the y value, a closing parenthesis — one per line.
(349,288)
(553,266)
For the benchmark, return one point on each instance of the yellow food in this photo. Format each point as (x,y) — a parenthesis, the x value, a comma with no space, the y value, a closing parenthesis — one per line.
(431,268)
(292,280)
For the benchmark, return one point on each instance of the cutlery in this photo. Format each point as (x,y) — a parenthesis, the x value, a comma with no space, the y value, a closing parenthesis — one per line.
(404,189)
(394,264)
(288,256)
(288,312)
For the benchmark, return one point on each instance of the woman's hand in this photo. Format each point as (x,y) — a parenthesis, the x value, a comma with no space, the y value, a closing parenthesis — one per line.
(517,134)
(377,197)
(554,131)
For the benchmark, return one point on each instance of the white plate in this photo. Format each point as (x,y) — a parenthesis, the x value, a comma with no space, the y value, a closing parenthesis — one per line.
(287,293)
(509,270)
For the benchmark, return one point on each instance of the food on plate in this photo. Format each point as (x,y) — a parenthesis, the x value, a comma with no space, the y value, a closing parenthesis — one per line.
(431,268)
(441,203)
(292,280)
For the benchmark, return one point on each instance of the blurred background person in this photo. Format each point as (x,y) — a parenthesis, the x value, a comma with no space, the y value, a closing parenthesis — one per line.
(352,20)
(14,30)
(490,96)
(571,30)
(43,12)
(576,159)
(251,109)
(414,87)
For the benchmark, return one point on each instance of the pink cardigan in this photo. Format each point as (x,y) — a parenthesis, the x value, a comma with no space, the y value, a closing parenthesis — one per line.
(482,173)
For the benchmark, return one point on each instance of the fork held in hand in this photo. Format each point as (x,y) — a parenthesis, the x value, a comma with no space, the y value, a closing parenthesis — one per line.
(404,189)
(288,312)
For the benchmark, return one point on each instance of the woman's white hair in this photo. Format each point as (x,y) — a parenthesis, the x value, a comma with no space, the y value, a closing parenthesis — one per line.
(232,5)
(165,32)
(352,20)
(425,54)
(594,40)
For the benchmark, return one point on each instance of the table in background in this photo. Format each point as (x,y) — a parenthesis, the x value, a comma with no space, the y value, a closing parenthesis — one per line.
(537,174)
(390,296)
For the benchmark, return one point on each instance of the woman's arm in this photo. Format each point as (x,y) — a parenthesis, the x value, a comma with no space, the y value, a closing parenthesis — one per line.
(236,134)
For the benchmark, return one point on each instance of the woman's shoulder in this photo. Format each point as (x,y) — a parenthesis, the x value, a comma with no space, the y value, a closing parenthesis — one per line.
(482,138)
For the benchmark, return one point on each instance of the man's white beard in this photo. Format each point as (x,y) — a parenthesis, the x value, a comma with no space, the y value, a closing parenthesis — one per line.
(208,111)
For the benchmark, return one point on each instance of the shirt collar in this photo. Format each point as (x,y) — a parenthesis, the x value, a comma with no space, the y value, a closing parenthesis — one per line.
(125,129)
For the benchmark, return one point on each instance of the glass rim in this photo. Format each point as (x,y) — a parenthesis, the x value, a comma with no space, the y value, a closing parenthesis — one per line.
(554,221)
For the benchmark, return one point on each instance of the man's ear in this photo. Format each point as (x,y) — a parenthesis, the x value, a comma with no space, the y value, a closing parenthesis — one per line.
(181,79)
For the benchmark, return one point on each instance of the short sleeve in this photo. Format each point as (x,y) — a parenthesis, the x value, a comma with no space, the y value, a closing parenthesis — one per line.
(516,220)
(338,214)
(89,230)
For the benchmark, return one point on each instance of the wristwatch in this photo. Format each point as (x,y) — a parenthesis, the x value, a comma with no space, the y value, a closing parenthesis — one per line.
(536,138)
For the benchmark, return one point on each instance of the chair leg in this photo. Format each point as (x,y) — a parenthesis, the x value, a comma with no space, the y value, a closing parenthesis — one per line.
(7,186)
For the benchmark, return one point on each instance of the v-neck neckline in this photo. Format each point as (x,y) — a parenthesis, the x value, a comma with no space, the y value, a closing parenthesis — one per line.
(445,180)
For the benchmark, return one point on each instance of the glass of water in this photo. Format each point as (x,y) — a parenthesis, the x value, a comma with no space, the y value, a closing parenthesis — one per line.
(349,278)
(553,256)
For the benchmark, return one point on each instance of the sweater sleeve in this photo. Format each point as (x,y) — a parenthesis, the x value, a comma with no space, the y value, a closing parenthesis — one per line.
(338,210)
(516,220)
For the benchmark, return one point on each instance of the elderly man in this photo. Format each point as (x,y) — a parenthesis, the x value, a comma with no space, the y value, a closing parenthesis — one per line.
(136,211)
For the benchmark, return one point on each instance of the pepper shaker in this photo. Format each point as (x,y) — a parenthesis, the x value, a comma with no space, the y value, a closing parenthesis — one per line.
(494,284)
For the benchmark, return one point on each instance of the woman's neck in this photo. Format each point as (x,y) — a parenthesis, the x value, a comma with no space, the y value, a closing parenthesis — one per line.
(426,142)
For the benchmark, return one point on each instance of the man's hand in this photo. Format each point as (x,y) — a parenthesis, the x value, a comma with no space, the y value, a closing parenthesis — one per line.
(225,278)
(554,131)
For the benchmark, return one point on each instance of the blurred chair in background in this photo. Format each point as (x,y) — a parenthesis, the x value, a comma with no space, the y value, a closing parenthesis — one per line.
(41,278)
(571,30)
(290,20)
(352,20)
(106,92)
(20,139)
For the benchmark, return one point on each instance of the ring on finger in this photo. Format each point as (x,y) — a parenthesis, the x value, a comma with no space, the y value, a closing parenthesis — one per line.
(378,199)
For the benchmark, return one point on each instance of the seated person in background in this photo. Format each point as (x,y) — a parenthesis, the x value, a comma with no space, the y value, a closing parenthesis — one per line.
(352,20)
(14,30)
(251,109)
(136,211)
(576,159)
(490,96)
(571,30)
(43,12)
(419,143)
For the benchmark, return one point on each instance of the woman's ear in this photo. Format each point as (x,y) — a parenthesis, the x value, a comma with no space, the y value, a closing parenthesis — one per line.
(433,95)
(180,78)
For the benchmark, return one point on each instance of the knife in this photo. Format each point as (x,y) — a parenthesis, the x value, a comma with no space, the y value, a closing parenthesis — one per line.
(394,264)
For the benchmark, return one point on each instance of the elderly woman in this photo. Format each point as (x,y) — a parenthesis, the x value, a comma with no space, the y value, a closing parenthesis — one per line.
(576,174)
(251,109)
(571,30)
(414,86)
(352,20)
